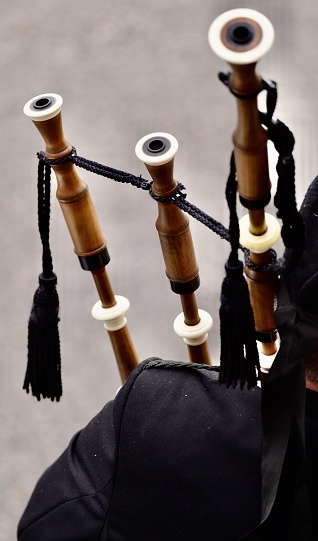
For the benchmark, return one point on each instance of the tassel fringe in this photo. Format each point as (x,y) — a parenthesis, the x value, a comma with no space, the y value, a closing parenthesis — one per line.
(43,373)
(239,354)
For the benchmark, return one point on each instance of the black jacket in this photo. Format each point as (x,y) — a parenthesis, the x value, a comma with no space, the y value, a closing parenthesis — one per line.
(174,457)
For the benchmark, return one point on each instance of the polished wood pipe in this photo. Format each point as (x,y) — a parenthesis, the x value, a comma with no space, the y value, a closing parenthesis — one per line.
(83,225)
(241,37)
(157,152)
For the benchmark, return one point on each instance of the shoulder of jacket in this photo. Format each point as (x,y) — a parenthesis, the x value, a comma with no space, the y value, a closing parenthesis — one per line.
(164,365)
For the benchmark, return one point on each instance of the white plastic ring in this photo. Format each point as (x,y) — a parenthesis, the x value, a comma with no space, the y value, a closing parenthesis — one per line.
(193,335)
(113,317)
(160,157)
(265,361)
(259,243)
(244,57)
(43,107)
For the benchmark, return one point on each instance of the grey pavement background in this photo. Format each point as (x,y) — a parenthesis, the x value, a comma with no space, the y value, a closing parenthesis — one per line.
(124,69)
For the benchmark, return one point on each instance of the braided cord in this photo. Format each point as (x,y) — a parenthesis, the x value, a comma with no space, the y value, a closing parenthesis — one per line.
(177,198)
(155,363)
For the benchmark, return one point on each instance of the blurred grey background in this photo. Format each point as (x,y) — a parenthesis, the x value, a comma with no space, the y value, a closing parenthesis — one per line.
(124,69)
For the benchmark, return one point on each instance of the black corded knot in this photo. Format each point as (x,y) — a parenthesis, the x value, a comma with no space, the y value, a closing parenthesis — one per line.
(269,86)
(144,184)
(57,161)
(43,372)
(180,193)
(239,355)
(225,79)
(274,266)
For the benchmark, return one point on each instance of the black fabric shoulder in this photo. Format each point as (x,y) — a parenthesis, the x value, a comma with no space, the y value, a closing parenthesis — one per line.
(187,450)
(164,460)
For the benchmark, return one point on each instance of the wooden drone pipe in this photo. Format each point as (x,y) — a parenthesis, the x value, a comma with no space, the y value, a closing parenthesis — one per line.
(241,37)
(157,152)
(83,225)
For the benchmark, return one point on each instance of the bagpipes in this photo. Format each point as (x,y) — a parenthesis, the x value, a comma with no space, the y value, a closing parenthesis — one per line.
(240,37)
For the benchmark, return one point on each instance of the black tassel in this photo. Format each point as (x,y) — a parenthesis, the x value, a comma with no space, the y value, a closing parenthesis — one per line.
(44,365)
(239,355)
(43,372)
